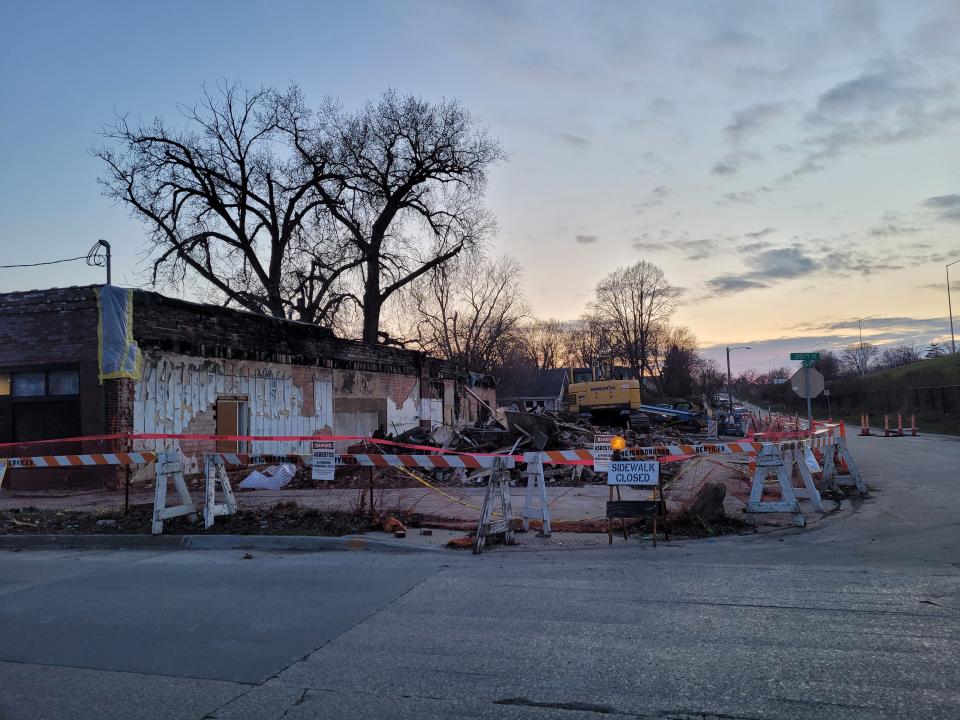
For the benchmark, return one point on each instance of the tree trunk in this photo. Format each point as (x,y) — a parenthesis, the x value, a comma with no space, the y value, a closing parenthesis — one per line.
(371,302)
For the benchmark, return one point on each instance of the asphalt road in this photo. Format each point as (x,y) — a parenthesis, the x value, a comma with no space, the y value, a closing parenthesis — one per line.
(858,617)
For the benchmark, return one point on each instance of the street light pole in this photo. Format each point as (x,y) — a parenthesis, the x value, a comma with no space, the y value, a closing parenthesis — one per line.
(730,378)
(861,360)
(953,342)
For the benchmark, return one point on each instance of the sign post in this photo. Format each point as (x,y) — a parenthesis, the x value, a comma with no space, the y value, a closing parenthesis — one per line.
(638,474)
(807,382)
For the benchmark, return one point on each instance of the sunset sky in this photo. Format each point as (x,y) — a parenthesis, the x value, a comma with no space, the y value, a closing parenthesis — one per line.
(792,166)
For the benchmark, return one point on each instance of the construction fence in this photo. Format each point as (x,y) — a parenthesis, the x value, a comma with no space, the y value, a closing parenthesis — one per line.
(111,482)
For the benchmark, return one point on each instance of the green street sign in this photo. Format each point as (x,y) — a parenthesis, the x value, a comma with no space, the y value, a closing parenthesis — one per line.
(808,363)
(805,356)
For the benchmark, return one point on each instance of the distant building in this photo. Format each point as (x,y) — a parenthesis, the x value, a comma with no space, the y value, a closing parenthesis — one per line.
(543,389)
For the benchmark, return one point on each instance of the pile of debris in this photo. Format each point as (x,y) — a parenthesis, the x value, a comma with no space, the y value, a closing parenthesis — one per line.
(511,431)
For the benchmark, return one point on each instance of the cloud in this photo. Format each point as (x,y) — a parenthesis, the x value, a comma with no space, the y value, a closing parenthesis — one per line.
(731,163)
(692,248)
(893,229)
(756,235)
(768,266)
(940,287)
(655,198)
(847,261)
(751,120)
(872,325)
(575,140)
(947,206)
(754,247)
(835,336)
(782,263)
(893,100)
(586,239)
(730,284)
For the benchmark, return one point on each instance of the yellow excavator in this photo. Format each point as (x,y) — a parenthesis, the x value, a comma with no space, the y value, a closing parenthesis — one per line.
(596,392)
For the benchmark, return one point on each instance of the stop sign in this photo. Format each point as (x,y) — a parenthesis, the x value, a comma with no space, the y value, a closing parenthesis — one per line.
(807,382)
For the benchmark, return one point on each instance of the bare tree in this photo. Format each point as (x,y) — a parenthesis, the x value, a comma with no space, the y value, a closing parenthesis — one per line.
(225,201)
(633,301)
(898,356)
(588,341)
(469,311)
(860,356)
(547,340)
(709,375)
(830,364)
(404,179)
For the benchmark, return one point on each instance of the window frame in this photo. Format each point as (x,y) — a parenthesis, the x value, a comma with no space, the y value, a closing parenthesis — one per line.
(46,370)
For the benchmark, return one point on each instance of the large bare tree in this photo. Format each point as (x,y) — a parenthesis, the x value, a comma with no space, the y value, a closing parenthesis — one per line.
(404,179)
(633,301)
(226,201)
(547,341)
(469,310)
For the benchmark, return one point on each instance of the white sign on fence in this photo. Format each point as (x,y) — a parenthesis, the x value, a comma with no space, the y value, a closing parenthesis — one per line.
(640,473)
(712,429)
(324,462)
(601,452)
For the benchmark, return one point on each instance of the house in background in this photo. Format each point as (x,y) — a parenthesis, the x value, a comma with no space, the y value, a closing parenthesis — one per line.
(544,389)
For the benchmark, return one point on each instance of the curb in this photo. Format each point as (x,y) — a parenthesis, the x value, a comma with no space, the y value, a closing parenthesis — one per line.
(289,543)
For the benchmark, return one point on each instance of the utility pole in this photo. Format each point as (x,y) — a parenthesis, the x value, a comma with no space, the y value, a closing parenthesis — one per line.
(730,378)
(953,342)
(861,360)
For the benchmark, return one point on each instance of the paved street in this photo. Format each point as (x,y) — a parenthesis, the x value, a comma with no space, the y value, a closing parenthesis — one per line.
(858,617)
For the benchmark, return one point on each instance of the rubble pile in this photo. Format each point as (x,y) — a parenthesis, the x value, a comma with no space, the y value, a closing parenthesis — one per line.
(513,432)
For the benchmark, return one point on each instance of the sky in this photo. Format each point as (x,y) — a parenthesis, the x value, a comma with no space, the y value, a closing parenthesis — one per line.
(791,166)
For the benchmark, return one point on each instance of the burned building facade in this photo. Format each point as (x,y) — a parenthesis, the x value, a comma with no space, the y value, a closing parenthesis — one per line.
(205,370)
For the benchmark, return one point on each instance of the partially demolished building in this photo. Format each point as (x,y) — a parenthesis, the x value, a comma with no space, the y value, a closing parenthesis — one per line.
(193,369)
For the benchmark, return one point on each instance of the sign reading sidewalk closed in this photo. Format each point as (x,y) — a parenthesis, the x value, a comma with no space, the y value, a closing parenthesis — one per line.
(640,473)
(324,463)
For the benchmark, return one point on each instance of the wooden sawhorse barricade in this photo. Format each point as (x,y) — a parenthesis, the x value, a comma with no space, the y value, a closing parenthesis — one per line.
(170,469)
(780,463)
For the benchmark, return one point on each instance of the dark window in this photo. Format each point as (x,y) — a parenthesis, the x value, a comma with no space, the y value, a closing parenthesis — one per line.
(39,405)
(63,382)
(29,384)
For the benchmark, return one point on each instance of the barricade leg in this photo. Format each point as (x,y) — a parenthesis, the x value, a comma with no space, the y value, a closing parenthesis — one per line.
(215,473)
(809,490)
(169,467)
(828,475)
(771,462)
(913,425)
(536,485)
(855,479)
(886,426)
(899,425)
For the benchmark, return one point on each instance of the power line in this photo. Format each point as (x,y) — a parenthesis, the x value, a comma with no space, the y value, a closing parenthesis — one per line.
(98,256)
(49,262)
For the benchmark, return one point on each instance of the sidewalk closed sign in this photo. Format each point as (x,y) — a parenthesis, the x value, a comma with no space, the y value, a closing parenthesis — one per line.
(640,473)
(324,462)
